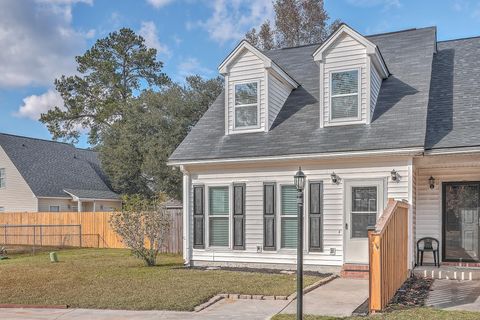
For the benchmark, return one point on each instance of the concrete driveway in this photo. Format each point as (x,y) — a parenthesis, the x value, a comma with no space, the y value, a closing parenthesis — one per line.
(455,295)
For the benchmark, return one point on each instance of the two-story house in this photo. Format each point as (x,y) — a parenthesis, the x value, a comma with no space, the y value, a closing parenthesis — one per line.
(394,115)
(41,175)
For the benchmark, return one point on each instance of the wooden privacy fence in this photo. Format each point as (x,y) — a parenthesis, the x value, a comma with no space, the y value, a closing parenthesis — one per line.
(388,251)
(76,229)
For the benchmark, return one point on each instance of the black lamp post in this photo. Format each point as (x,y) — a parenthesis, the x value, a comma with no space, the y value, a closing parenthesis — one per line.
(299,179)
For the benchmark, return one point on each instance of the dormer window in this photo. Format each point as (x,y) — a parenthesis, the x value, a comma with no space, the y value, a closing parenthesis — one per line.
(246,105)
(345,95)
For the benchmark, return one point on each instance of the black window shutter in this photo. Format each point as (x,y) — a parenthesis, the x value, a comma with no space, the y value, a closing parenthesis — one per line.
(315,216)
(239,216)
(198,217)
(269,216)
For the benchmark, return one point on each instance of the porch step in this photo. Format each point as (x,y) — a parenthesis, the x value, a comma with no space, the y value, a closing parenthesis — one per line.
(448,273)
(355,271)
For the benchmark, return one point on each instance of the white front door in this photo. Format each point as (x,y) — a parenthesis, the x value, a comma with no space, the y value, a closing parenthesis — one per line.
(364,202)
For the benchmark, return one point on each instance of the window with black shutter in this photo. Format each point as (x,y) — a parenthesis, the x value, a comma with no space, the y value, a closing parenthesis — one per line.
(315,216)
(269,216)
(198,217)
(239,216)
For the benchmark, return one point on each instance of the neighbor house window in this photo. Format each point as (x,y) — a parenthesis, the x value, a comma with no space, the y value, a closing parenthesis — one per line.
(344,95)
(218,216)
(2,209)
(246,105)
(2,178)
(288,217)
(54,208)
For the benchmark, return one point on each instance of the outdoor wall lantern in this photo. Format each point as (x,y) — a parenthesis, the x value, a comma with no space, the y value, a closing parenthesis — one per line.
(431,182)
(334,177)
(299,180)
(394,175)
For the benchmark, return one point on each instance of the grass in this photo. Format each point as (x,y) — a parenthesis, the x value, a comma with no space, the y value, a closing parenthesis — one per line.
(113,279)
(408,314)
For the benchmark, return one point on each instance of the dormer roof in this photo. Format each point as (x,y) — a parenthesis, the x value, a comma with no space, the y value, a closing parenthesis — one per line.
(399,121)
(268,62)
(372,49)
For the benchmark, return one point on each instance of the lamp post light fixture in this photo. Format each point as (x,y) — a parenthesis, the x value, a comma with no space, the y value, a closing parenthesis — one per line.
(299,180)
(431,182)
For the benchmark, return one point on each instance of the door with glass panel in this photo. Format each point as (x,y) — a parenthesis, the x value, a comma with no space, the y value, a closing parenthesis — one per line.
(364,202)
(460,221)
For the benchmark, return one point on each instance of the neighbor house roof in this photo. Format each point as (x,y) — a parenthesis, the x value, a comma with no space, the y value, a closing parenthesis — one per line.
(399,119)
(51,168)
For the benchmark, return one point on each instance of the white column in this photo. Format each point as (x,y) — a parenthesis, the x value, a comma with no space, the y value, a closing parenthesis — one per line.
(94,206)
(79,206)
(187,254)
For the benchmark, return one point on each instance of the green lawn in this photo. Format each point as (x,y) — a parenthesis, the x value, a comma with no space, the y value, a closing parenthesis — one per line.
(113,279)
(416,313)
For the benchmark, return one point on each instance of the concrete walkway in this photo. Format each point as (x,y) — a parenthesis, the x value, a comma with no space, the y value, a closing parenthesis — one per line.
(223,310)
(455,295)
(338,298)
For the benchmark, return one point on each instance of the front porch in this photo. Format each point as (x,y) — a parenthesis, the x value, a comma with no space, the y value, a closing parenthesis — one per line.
(446,208)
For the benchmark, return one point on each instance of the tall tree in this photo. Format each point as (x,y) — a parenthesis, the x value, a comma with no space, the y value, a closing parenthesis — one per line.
(135,150)
(297,22)
(109,74)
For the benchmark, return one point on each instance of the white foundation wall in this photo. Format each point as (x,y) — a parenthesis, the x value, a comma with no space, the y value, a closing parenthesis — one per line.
(429,201)
(254,177)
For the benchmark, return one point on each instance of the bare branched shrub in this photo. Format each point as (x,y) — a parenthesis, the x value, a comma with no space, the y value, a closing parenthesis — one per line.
(143,224)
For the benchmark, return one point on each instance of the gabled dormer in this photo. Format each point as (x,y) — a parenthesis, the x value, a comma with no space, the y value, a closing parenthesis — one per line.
(351,74)
(255,90)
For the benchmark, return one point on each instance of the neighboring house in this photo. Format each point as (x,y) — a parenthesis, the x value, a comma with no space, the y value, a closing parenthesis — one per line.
(353,113)
(40,175)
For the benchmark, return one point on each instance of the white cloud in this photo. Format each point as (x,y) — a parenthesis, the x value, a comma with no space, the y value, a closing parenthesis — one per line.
(149,32)
(387,4)
(159,3)
(231,19)
(191,66)
(460,5)
(38,41)
(33,106)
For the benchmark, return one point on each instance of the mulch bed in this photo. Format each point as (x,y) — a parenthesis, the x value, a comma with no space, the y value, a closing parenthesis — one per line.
(412,293)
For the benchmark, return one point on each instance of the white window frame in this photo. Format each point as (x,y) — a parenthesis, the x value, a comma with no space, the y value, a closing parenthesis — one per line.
(208,216)
(3,177)
(246,105)
(359,96)
(50,208)
(281,216)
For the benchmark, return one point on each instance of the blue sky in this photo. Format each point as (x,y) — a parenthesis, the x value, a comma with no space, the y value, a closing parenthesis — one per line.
(40,38)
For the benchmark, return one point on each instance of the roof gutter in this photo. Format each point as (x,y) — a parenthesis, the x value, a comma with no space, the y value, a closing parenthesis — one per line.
(332,155)
(452,151)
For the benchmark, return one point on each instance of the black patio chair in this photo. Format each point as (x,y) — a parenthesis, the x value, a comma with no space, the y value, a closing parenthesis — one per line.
(428,244)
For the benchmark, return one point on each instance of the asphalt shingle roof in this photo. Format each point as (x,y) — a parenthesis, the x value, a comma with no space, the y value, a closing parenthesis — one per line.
(399,119)
(51,167)
(454,107)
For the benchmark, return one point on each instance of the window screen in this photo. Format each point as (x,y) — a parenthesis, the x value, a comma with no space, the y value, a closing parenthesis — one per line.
(344,102)
(246,105)
(288,217)
(219,215)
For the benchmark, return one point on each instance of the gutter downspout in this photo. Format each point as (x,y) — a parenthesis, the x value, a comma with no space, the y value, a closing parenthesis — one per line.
(187,254)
